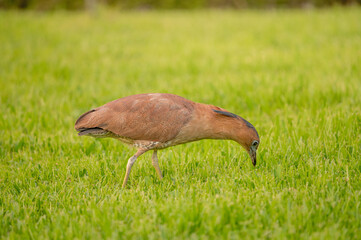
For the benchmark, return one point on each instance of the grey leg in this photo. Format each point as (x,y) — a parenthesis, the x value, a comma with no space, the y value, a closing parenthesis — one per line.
(156,165)
(131,161)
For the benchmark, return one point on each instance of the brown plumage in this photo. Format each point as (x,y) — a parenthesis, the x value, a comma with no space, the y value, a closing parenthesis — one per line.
(158,120)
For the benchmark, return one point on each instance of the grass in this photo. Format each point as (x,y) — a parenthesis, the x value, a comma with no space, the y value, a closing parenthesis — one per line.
(295,75)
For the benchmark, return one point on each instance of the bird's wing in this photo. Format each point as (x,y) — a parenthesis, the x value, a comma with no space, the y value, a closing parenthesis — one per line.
(154,117)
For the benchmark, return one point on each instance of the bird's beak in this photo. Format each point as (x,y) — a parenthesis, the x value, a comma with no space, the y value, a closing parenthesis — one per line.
(253,155)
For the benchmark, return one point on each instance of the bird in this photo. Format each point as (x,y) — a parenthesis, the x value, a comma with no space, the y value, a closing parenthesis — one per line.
(155,121)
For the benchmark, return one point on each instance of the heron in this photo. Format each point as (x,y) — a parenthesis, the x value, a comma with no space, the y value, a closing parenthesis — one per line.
(157,121)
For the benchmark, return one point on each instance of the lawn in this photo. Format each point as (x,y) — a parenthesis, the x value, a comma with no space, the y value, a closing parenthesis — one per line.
(294,74)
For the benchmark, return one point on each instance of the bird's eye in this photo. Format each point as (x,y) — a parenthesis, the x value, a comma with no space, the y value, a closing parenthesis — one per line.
(255,143)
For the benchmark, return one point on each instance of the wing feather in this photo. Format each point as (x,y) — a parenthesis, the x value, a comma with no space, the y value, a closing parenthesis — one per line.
(154,117)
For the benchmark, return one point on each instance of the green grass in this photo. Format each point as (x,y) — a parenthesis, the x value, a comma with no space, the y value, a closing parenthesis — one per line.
(295,75)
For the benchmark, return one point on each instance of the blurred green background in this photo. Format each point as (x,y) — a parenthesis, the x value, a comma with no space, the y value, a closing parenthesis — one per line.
(168,4)
(293,73)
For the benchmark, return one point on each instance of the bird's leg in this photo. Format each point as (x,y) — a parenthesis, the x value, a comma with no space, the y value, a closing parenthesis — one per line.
(156,165)
(131,161)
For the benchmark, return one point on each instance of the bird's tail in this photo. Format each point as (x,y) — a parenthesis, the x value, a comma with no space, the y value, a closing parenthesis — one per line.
(94,123)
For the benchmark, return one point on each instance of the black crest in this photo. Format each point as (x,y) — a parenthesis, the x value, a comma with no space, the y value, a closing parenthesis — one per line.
(228,114)
(232,115)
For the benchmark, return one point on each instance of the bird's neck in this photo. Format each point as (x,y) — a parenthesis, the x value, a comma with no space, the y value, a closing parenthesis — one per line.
(216,126)
(207,124)
(227,126)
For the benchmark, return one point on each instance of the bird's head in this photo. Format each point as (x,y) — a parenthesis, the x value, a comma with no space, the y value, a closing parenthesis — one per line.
(241,131)
(252,151)
(249,140)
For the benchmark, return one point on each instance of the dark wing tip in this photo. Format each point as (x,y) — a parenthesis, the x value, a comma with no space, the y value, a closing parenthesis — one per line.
(92,131)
